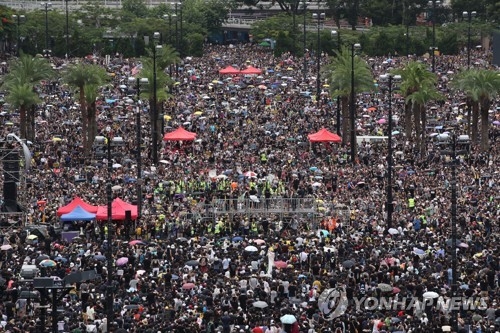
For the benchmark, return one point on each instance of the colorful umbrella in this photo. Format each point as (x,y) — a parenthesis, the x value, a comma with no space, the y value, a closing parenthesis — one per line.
(280,264)
(136,242)
(188,286)
(122,261)
(48,263)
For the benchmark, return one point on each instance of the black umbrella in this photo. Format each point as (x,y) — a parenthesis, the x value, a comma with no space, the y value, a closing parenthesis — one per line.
(348,263)
(449,242)
(192,263)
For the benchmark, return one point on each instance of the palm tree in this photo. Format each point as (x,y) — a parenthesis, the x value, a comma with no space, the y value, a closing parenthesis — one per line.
(340,78)
(481,86)
(419,87)
(418,100)
(22,96)
(91,95)
(30,71)
(85,76)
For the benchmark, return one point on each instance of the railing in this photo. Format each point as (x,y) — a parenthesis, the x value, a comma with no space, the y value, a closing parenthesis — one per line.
(12,220)
(247,22)
(262,205)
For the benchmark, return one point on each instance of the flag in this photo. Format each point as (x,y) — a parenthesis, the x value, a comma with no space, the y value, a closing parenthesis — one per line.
(136,69)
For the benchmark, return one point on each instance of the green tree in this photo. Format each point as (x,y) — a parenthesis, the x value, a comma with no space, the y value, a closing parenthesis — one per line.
(91,95)
(418,88)
(82,77)
(418,100)
(22,96)
(135,8)
(481,86)
(27,70)
(339,74)
(165,57)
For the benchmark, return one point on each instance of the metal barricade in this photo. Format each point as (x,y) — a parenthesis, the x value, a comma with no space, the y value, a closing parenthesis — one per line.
(263,205)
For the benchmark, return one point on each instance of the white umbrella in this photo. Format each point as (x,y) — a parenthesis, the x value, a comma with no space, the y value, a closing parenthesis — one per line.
(5,247)
(251,248)
(430,294)
(116,188)
(221,177)
(393,231)
(163,161)
(117,166)
(260,304)
(288,319)
(316,184)
(254,198)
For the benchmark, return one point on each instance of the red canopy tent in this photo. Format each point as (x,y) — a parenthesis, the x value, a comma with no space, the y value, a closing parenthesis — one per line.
(323,135)
(179,134)
(251,70)
(118,209)
(75,203)
(229,70)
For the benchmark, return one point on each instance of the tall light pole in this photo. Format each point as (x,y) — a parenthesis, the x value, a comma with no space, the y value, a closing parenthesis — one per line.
(468,16)
(181,37)
(453,246)
(337,33)
(138,83)
(170,34)
(319,17)
(294,27)
(389,78)
(304,42)
(67,29)
(156,39)
(18,19)
(46,7)
(433,48)
(352,106)
(109,248)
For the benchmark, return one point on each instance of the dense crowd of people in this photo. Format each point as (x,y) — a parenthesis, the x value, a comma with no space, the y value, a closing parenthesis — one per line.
(222,245)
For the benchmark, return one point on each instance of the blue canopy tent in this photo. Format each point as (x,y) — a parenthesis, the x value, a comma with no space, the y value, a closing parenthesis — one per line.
(78,214)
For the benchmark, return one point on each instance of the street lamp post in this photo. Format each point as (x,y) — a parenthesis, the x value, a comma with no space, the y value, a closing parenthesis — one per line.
(156,39)
(407,35)
(453,246)
(46,6)
(109,248)
(434,4)
(433,50)
(468,16)
(304,42)
(337,33)
(390,162)
(67,29)
(18,19)
(352,107)
(138,82)
(181,36)
(318,16)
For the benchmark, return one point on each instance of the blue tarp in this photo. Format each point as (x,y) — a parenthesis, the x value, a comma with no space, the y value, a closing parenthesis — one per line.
(78,214)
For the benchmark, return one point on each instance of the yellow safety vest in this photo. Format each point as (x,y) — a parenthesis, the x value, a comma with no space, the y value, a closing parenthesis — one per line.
(411,202)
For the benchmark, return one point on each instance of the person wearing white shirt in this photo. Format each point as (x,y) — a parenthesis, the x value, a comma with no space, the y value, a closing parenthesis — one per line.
(225,263)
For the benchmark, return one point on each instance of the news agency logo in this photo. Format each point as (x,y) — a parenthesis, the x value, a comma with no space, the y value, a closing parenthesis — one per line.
(333,303)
